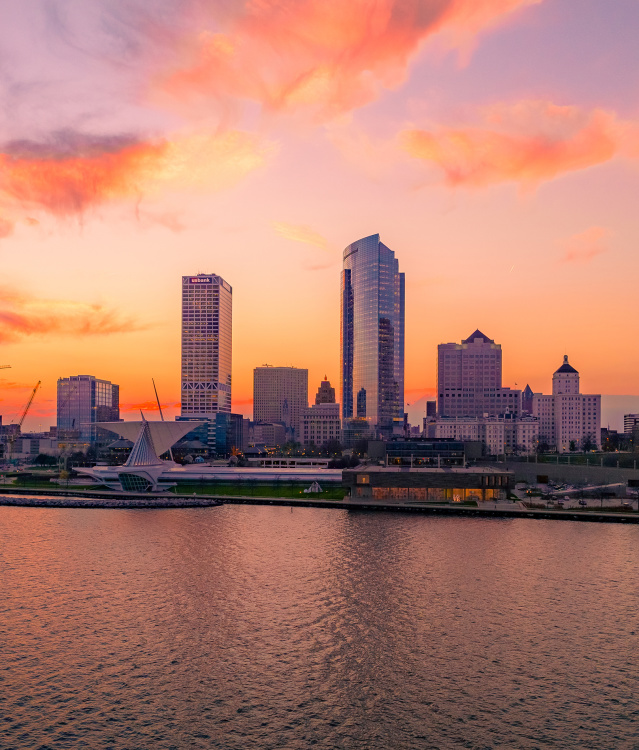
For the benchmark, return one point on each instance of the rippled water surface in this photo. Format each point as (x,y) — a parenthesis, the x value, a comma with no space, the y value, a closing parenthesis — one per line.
(262,627)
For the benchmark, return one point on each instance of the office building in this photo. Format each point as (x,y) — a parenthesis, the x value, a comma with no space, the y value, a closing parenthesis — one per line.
(630,423)
(83,401)
(279,395)
(568,420)
(320,424)
(206,346)
(325,393)
(504,435)
(372,336)
(469,380)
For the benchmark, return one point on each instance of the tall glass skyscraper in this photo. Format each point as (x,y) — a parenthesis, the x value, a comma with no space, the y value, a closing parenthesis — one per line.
(372,335)
(206,346)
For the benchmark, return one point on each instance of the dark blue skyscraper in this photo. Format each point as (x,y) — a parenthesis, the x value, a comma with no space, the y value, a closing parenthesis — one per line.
(372,335)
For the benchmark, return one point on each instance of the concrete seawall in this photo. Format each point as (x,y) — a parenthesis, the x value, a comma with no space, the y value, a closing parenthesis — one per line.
(132,501)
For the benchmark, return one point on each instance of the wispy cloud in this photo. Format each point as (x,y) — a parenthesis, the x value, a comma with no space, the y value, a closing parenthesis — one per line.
(300,233)
(527,143)
(23,316)
(71,172)
(584,246)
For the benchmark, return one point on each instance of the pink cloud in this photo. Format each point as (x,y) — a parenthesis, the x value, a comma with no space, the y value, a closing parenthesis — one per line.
(323,56)
(527,143)
(583,247)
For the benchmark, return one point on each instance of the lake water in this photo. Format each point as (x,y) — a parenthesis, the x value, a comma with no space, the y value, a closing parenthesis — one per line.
(261,627)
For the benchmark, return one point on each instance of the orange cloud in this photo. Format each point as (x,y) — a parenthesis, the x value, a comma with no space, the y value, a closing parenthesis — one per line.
(327,56)
(6,227)
(300,233)
(583,247)
(74,172)
(22,316)
(528,142)
(148,406)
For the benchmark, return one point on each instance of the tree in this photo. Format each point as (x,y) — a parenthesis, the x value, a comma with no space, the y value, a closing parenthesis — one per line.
(572,445)
(45,460)
(332,448)
(361,447)
(589,443)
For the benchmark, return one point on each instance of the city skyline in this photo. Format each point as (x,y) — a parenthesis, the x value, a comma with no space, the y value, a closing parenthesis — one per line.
(506,189)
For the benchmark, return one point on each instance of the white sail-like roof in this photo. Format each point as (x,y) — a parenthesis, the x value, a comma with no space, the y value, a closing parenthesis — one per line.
(163,434)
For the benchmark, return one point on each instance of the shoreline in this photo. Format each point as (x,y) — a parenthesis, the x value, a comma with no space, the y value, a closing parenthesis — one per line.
(91,499)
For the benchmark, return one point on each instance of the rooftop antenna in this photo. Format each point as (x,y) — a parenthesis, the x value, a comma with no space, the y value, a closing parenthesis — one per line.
(157,398)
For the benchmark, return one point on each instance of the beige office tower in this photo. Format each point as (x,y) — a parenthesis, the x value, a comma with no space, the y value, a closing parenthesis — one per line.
(469,380)
(279,395)
(206,346)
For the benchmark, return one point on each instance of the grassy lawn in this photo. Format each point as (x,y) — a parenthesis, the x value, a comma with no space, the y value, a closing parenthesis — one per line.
(260,490)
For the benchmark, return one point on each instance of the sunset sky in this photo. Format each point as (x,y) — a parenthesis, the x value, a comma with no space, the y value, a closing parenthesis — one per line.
(493,144)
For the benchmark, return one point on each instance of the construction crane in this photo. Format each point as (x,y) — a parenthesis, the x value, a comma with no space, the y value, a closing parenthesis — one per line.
(12,438)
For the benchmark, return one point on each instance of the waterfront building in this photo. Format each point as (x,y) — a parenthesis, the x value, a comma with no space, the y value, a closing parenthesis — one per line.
(320,424)
(325,393)
(372,336)
(83,401)
(498,435)
(568,420)
(469,380)
(452,484)
(279,395)
(206,346)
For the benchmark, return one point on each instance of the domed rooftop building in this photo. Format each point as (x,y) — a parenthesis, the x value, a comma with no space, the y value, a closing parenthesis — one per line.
(568,420)
(565,379)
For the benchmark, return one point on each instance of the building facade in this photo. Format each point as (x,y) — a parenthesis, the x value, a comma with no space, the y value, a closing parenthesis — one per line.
(279,395)
(469,380)
(498,435)
(83,401)
(452,484)
(372,336)
(206,346)
(320,424)
(630,423)
(568,420)
(325,393)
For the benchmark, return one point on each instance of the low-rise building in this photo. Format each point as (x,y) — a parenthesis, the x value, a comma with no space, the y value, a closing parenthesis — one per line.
(498,435)
(320,424)
(427,485)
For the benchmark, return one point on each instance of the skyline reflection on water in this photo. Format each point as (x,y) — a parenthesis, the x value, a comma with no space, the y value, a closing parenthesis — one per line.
(263,627)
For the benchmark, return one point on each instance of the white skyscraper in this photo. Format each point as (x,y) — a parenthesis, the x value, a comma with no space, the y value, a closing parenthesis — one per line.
(206,346)
(568,420)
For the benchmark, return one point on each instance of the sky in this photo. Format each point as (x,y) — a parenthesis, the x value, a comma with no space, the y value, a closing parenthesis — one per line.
(493,145)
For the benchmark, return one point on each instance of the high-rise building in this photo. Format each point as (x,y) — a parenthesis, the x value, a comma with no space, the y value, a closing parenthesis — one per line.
(372,336)
(568,420)
(469,380)
(325,393)
(320,424)
(279,394)
(84,400)
(206,346)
